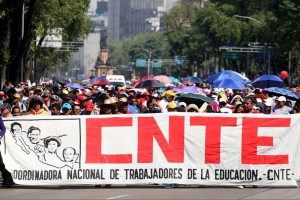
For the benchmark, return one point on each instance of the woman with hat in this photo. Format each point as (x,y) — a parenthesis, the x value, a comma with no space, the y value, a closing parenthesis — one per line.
(51,144)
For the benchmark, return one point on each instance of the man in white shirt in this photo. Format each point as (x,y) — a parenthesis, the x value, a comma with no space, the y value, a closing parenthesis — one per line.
(281,108)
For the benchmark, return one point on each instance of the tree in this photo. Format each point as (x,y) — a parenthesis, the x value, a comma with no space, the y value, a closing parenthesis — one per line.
(123,53)
(40,16)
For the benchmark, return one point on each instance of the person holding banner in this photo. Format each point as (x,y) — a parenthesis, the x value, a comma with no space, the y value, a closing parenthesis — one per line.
(7,179)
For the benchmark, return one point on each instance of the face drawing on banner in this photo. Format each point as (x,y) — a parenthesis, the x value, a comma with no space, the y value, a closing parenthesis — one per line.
(34,134)
(47,149)
(50,156)
(16,129)
(52,143)
(69,154)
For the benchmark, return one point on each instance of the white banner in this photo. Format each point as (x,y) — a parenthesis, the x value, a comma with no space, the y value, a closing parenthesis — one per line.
(183,148)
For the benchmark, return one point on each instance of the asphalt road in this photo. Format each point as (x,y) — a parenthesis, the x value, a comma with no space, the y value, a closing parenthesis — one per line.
(123,192)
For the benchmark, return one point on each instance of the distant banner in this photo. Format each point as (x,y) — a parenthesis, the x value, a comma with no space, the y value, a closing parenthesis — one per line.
(141,63)
(183,148)
(156,64)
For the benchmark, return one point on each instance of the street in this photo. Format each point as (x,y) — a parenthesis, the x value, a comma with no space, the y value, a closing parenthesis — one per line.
(145,192)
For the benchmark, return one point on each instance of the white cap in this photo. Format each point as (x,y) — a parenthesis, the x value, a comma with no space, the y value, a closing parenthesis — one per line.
(182,104)
(281,98)
(268,102)
(226,110)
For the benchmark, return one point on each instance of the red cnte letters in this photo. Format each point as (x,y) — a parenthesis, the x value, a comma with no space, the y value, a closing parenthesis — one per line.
(213,135)
(250,140)
(148,130)
(94,140)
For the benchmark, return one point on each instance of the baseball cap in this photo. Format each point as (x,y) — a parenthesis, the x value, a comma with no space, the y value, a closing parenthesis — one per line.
(89,106)
(225,110)
(281,98)
(169,93)
(65,91)
(182,104)
(81,98)
(268,102)
(146,94)
(16,95)
(172,105)
(67,106)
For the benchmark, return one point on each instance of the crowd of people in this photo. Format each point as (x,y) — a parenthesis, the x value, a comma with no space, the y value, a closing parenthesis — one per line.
(44,99)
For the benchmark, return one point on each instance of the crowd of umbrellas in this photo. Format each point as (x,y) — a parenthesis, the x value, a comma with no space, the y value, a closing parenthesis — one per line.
(190,92)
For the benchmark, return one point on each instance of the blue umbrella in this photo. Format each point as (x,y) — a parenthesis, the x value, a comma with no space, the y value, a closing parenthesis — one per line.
(75,86)
(229,83)
(226,74)
(267,81)
(194,79)
(283,92)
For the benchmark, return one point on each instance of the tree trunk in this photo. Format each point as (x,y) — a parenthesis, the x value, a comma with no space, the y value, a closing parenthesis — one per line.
(18,46)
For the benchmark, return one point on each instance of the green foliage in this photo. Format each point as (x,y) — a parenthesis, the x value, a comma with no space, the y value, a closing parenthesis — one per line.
(40,16)
(218,24)
(70,15)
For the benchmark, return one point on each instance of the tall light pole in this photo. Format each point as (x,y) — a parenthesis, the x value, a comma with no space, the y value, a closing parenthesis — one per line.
(149,63)
(149,59)
(260,24)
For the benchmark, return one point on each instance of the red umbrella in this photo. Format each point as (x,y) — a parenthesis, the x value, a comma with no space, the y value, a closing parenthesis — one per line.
(143,79)
(101,82)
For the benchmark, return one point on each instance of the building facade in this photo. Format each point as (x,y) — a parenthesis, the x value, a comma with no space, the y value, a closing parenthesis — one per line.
(131,17)
(88,54)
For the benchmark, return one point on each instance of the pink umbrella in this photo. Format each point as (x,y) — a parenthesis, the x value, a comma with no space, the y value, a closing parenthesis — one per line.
(163,78)
(188,83)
